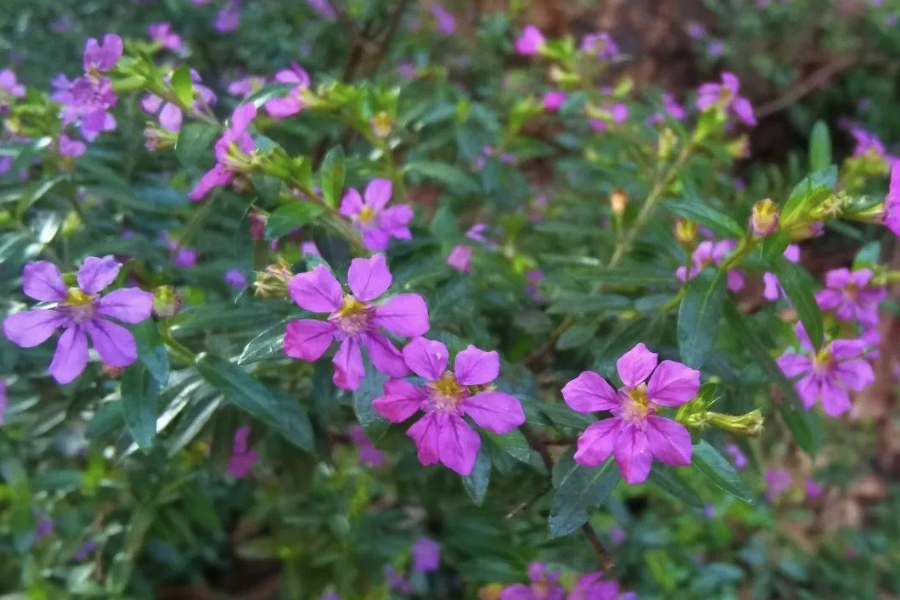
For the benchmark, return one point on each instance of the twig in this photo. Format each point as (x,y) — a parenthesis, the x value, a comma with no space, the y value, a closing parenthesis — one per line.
(817,80)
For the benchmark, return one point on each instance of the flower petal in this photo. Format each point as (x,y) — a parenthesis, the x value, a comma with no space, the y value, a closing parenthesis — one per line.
(41,280)
(129,305)
(404,314)
(458,444)
(476,367)
(855,374)
(114,343)
(306,339)
(669,441)
(170,118)
(385,357)
(590,393)
(316,290)
(633,454)
(495,411)
(348,365)
(427,358)
(835,400)
(32,327)
(369,277)
(378,193)
(218,176)
(71,355)
(635,366)
(97,273)
(424,433)
(351,203)
(672,384)
(597,442)
(400,401)
(808,389)
(794,364)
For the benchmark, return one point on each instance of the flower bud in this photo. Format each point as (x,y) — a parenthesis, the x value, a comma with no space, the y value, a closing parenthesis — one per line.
(272,281)
(685,232)
(491,591)
(618,201)
(764,218)
(749,424)
(381,125)
(667,141)
(166,301)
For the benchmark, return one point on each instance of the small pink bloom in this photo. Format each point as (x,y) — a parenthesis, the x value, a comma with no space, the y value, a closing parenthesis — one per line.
(708,254)
(228,19)
(375,220)
(292,103)
(812,488)
(162,34)
(601,45)
(726,93)
(443,435)
(850,295)
(634,435)
(771,287)
(426,555)
(738,458)
(368,453)
(892,201)
(102,57)
(71,147)
(446,22)
(530,42)
(235,139)
(460,258)
(778,481)
(235,278)
(243,457)
(553,100)
(544,585)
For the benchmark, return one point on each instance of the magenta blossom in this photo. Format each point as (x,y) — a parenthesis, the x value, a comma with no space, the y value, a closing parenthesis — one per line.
(778,481)
(426,555)
(616,113)
(738,458)
(71,147)
(353,320)
(162,34)
(673,107)
(245,86)
(9,88)
(544,585)
(3,400)
(827,374)
(170,117)
(292,103)
(530,42)
(376,222)
(446,22)
(460,258)
(235,279)
(634,434)
(892,201)
(323,7)
(228,19)
(850,295)
(102,57)
(812,488)
(593,587)
(442,435)
(81,312)
(726,95)
(368,453)
(243,457)
(235,141)
(601,45)
(771,287)
(553,100)
(710,253)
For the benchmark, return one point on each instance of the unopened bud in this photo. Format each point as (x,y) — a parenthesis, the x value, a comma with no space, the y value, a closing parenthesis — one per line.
(71,224)
(685,232)
(618,201)
(381,125)
(667,141)
(749,424)
(166,301)
(491,591)
(272,281)
(764,218)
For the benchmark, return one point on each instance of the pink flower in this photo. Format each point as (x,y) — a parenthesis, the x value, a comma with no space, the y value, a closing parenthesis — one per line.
(353,320)
(892,201)
(738,458)
(243,457)
(726,94)
(245,86)
(553,100)
(442,435)
(850,296)
(616,113)
(102,57)
(71,147)
(446,22)
(710,253)
(828,373)
(292,103)
(460,258)
(323,7)
(778,481)
(530,42)
(593,587)
(812,488)
(544,585)
(368,453)
(672,106)
(162,34)
(771,287)
(601,45)
(235,140)
(235,279)
(426,555)
(228,18)
(81,312)
(634,434)
(370,214)
(170,117)
(9,88)
(3,400)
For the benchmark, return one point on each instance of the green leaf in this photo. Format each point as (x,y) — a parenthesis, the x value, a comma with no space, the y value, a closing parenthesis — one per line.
(332,176)
(704,214)
(476,482)
(722,473)
(151,351)
(699,316)
(140,391)
(268,92)
(580,492)
(455,180)
(816,187)
(290,217)
(797,286)
(665,477)
(819,147)
(285,415)
(512,443)
(577,335)
(183,85)
(371,387)
(268,344)
(194,142)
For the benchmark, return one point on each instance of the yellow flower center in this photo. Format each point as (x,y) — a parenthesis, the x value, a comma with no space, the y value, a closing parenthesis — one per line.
(79,304)
(447,393)
(353,316)
(823,359)
(637,405)
(366,214)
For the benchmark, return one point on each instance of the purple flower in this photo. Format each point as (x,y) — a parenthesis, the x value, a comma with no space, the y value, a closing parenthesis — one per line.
(170,117)
(672,107)
(544,586)
(330,597)
(370,214)
(771,287)
(593,587)
(726,95)
(71,147)
(849,295)
(738,458)
(553,100)
(84,551)
(442,435)
(81,312)
(446,22)
(892,201)
(243,457)
(460,258)
(353,320)
(162,34)
(102,57)
(812,488)
(634,434)
(476,232)
(235,278)
(9,88)
(710,253)
(866,142)
(235,140)
(246,85)
(3,400)
(292,103)
(530,42)
(426,555)
(368,453)
(323,7)
(611,113)
(43,529)
(616,535)
(778,481)
(828,373)
(228,18)
(397,582)
(601,45)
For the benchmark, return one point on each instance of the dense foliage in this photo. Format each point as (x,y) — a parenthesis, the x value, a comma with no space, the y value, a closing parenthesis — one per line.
(372,300)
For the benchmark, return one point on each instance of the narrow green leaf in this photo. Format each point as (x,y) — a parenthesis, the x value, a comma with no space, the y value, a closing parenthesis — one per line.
(140,391)
(194,141)
(816,187)
(797,286)
(332,176)
(580,492)
(268,344)
(476,482)
(819,147)
(455,180)
(290,217)
(722,473)
(183,85)
(151,351)
(699,316)
(666,478)
(371,387)
(704,214)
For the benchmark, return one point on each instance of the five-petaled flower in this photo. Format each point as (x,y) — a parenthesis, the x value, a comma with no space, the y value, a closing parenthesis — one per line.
(353,320)
(81,312)
(442,435)
(828,373)
(530,42)
(292,103)
(373,218)
(235,139)
(850,295)
(635,434)
(725,94)
(892,201)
